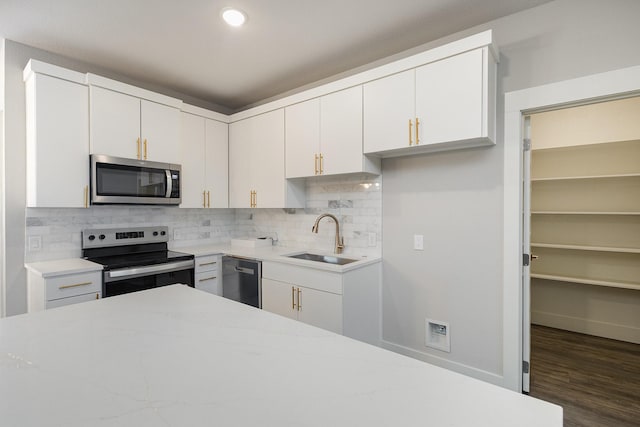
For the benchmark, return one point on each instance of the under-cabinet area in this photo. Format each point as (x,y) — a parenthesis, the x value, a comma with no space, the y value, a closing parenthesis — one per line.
(585,219)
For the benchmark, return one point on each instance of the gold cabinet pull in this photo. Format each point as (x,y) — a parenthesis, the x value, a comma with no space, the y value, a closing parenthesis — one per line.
(75,285)
(315,164)
(208,199)
(417,130)
(255,198)
(299,300)
(410,132)
(138,145)
(293,301)
(321,164)
(97,296)
(207,263)
(204,279)
(145,148)
(86,196)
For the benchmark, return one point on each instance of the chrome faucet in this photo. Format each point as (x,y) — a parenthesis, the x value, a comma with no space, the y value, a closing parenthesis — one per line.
(339,240)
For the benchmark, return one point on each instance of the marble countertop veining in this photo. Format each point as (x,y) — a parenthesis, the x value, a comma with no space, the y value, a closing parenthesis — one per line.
(176,356)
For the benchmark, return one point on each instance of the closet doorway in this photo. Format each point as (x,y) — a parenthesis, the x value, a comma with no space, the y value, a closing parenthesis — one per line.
(584,175)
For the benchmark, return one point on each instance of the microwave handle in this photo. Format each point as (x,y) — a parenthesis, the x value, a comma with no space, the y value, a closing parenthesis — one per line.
(169,183)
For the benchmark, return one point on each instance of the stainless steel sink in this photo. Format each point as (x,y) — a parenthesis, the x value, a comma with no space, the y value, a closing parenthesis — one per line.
(328,259)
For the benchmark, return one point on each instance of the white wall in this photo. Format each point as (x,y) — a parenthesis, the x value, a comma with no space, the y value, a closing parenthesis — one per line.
(457,198)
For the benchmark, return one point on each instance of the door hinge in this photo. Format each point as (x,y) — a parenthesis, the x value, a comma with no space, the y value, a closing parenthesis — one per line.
(526,259)
(525,367)
(526,144)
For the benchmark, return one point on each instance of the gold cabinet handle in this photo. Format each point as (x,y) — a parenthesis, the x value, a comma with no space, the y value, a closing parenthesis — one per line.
(86,196)
(145,148)
(417,130)
(293,302)
(315,164)
(204,279)
(138,148)
(299,300)
(208,199)
(75,285)
(207,263)
(97,296)
(321,164)
(255,198)
(410,132)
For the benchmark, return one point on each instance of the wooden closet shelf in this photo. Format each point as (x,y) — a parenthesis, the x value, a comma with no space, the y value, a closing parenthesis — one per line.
(586,281)
(585,177)
(586,248)
(583,213)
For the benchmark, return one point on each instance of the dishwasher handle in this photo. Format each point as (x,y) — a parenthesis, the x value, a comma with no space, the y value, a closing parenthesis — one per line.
(244,270)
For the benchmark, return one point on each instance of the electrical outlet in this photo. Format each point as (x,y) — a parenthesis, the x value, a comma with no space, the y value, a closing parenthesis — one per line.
(418,242)
(35,243)
(372,239)
(437,335)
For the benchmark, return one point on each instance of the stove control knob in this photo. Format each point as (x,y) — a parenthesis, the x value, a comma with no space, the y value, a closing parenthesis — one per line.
(92,237)
(102,237)
(162,233)
(155,233)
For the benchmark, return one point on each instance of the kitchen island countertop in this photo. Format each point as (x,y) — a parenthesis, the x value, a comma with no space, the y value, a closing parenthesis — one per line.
(176,356)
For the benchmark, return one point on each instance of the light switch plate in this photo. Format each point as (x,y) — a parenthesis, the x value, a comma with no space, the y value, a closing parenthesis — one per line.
(418,242)
(35,243)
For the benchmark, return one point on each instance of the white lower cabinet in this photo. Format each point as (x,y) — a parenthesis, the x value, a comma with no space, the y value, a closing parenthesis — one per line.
(64,289)
(206,274)
(347,303)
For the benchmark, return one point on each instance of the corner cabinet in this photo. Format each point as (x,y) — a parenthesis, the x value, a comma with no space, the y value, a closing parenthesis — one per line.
(442,105)
(57,139)
(324,136)
(124,125)
(205,152)
(347,302)
(256,164)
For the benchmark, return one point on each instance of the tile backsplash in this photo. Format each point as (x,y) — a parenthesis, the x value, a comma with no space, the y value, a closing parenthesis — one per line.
(355,200)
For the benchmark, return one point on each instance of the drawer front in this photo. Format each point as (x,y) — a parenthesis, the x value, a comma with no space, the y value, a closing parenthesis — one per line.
(207,263)
(73,300)
(313,278)
(73,284)
(209,281)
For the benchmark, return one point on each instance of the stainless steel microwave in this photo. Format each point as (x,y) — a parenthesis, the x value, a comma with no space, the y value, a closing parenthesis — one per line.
(116,180)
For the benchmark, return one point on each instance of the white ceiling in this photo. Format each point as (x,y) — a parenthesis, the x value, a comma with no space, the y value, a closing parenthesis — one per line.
(184,45)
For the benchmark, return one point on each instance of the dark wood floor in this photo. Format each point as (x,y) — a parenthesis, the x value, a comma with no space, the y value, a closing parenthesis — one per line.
(595,380)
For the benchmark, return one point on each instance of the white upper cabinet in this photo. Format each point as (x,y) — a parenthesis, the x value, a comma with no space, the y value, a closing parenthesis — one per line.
(126,126)
(443,105)
(324,136)
(204,147)
(57,142)
(256,164)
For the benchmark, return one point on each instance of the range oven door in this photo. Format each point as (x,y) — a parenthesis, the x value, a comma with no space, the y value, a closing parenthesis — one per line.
(132,279)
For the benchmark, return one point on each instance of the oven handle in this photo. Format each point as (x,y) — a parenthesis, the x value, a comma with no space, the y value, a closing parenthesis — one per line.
(124,273)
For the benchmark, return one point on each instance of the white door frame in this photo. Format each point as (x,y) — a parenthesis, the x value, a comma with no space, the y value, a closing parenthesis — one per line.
(608,85)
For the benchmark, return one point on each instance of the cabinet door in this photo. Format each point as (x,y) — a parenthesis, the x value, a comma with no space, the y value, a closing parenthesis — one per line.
(302,139)
(449,98)
(216,154)
(209,282)
(321,309)
(267,159)
(72,300)
(192,142)
(279,298)
(240,167)
(341,131)
(389,105)
(115,123)
(57,143)
(159,132)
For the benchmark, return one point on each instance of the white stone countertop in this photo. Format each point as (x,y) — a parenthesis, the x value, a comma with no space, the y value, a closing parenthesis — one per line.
(277,254)
(62,266)
(176,356)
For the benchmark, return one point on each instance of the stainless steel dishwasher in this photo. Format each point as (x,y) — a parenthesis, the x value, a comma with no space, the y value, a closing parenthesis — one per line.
(242,280)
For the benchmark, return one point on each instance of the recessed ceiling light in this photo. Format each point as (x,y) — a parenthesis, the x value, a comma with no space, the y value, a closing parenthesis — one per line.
(233,17)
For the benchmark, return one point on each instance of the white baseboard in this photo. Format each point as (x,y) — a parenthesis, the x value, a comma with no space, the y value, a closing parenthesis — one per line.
(445,363)
(587,326)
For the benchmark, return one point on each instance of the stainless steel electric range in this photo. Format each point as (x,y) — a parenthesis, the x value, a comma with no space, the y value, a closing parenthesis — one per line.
(135,259)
